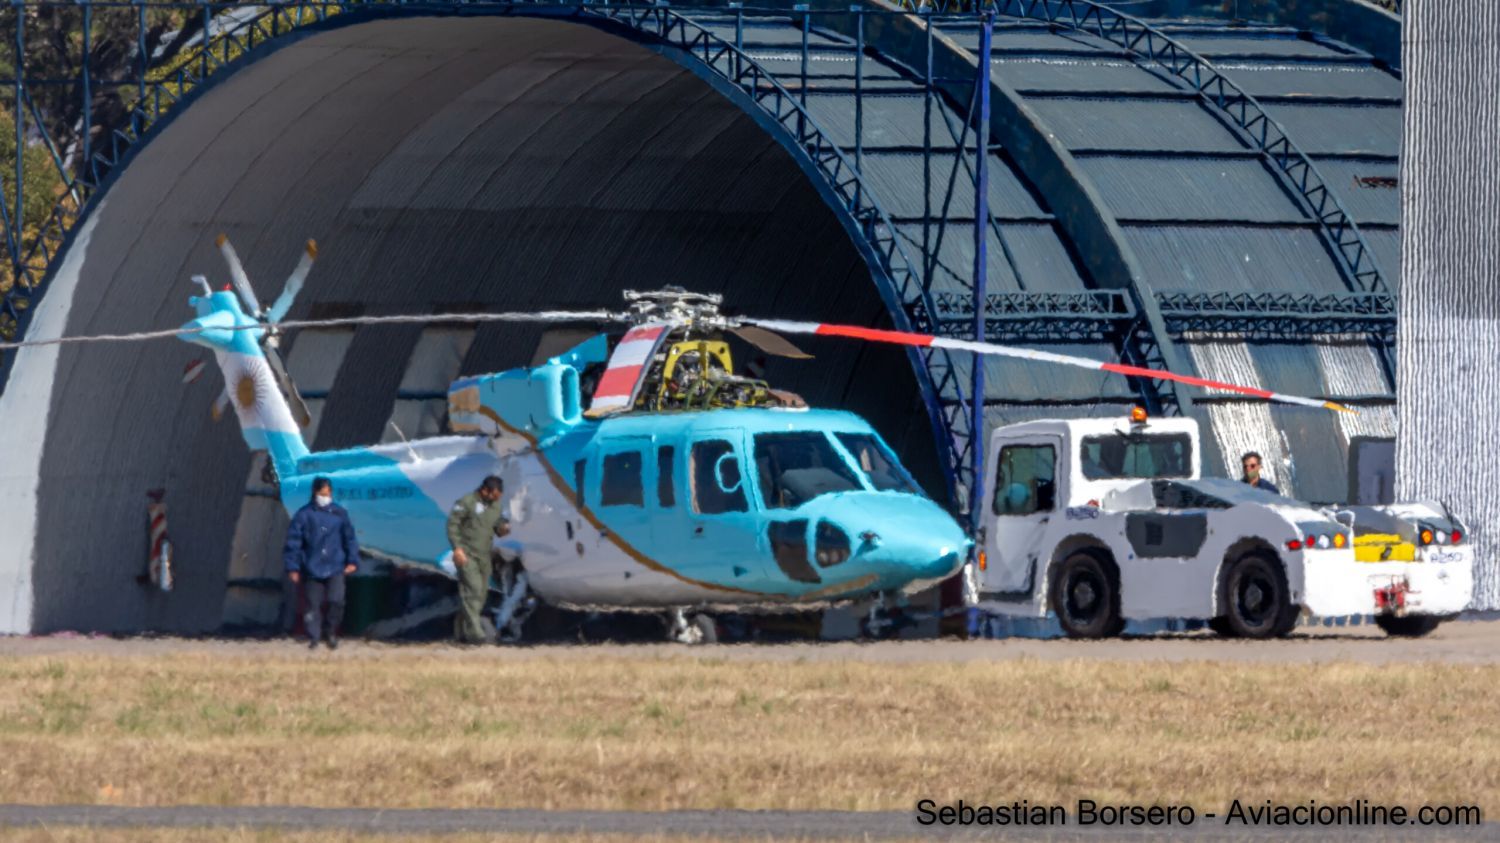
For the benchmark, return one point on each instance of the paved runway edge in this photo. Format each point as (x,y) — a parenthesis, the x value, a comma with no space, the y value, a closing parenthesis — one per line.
(862,825)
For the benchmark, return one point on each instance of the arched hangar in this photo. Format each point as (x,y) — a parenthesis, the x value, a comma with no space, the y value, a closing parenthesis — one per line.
(1166,184)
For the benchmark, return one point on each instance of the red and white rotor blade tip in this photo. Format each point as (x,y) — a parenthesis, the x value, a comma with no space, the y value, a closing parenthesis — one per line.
(928,341)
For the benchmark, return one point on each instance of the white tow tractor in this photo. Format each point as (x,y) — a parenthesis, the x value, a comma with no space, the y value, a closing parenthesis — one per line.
(1107,520)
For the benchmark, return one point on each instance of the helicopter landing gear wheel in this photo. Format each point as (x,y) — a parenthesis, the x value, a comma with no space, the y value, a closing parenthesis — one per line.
(698,629)
(884,620)
(516,603)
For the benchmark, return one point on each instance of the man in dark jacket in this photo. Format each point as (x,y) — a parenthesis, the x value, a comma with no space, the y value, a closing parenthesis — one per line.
(320,550)
(1250,463)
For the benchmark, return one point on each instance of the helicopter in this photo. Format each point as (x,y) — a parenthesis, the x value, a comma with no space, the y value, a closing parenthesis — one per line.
(684,488)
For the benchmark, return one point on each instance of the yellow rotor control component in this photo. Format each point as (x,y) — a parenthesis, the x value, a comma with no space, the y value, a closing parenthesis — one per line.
(707,351)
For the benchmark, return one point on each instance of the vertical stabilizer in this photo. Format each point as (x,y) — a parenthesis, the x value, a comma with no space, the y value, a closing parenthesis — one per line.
(250,385)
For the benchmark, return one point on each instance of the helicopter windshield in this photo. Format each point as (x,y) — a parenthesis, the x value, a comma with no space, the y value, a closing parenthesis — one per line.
(794,468)
(877,462)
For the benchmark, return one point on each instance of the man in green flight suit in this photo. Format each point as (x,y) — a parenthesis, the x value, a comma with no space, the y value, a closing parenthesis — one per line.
(472,525)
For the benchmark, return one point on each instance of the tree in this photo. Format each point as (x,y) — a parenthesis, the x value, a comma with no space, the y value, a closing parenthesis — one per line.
(43,185)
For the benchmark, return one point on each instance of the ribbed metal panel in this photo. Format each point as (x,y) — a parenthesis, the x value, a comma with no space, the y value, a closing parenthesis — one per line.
(1385,244)
(1368,190)
(1015,380)
(1317,467)
(1321,129)
(1237,426)
(1201,189)
(1215,258)
(1013,36)
(1044,73)
(1449,342)
(900,176)
(1043,261)
(1095,123)
(889,121)
(1348,367)
(1270,78)
(1265,44)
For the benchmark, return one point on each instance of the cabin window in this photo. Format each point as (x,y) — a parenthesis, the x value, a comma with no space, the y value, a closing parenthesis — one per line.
(621,483)
(794,468)
(666,493)
(1118,455)
(1025,479)
(717,484)
(578,483)
(877,462)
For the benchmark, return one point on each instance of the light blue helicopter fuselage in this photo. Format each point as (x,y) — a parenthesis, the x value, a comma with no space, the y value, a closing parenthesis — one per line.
(754,506)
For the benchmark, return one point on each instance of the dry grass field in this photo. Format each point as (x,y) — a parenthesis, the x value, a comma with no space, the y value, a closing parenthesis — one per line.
(407,728)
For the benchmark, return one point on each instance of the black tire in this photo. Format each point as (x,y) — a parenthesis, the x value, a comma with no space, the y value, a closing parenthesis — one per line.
(1085,595)
(1221,626)
(1257,602)
(708,631)
(1408,626)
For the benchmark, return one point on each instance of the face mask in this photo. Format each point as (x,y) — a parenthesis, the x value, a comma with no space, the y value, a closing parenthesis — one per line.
(324,500)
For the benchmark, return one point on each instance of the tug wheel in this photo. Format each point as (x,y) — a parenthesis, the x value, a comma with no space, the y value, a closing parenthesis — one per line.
(1408,626)
(1221,626)
(1256,599)
(1086,597)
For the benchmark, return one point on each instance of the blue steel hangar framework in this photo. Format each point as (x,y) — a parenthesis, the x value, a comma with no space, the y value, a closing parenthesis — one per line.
(1161,183)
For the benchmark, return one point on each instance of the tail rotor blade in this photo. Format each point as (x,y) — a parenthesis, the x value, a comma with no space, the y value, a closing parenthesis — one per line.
(294,283)
(299,407)
(927,340)
(237,274)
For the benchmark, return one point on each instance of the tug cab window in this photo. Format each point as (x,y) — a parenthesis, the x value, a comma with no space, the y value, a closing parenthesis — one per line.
(1137,456)
(621,483)
(717,485)
(877,462)
(794,468)
(1025,480)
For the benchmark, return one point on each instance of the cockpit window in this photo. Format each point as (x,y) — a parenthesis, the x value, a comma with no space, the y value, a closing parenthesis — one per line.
(794,468)
(877,462)
(1137,455)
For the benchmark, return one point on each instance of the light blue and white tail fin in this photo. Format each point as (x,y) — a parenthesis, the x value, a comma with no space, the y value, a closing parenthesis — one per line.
(255,384)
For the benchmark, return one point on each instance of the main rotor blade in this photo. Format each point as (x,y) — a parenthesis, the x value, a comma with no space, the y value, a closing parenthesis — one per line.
(293,286)
(927,340)
(340,322)
(299,407)
(769,341)
(237,274)
(221,405)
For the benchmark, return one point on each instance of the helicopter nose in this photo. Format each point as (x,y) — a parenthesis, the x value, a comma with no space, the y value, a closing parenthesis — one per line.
(902,537)
(931,557)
